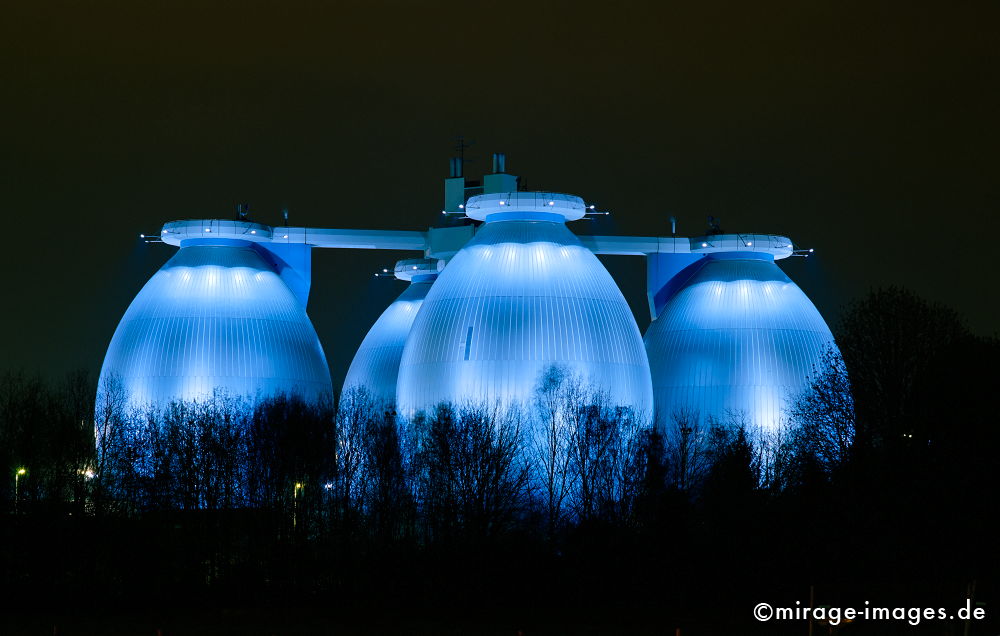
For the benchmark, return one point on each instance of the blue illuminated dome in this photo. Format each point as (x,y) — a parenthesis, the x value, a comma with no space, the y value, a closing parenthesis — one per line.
(737,336)
(376,364)
(217,317)
(522,296)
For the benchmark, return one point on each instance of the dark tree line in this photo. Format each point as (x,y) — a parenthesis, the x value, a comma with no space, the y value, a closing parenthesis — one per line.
(48,431)
(468,471)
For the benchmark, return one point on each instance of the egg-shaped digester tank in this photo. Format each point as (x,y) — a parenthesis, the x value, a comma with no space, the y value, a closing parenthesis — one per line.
(738,337)
(216,318)
(523,296)
(375,366)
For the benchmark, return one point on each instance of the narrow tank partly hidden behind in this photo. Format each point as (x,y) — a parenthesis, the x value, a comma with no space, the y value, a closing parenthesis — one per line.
(522,297)
(736,338)
(217,318)
(375,366)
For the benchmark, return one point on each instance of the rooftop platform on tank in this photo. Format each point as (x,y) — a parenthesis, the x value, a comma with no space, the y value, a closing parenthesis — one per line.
(443,242)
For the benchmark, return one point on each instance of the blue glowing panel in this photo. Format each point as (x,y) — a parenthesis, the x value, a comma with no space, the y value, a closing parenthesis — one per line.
(739,335)
(215,317)
(522,296)
(376,364)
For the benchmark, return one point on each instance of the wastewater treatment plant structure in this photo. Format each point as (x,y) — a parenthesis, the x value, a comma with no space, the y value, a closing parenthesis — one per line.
(491,306)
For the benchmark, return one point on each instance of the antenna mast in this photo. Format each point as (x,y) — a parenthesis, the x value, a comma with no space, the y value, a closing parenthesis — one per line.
(460,147)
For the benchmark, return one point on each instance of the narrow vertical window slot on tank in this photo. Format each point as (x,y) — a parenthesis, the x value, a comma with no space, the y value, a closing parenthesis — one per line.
(468,343)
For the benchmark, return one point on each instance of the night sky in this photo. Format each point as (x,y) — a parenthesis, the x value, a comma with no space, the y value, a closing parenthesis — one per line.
(866,130)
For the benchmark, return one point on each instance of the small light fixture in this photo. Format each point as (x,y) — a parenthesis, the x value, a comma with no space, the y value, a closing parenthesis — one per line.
(811,250)
(142,236)
(749,243)
(592,207)
(552,202)
(385,271)
(704,244)
(285,236)
(501,203)
(461,207)
(208,229)
(253,231)
(414,267)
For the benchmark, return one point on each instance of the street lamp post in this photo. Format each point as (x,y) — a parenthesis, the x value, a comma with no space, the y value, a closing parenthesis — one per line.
(20,472)
(295,504)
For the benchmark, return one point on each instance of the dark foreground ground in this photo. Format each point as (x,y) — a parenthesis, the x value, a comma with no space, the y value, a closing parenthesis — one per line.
(162,577)
(500,622)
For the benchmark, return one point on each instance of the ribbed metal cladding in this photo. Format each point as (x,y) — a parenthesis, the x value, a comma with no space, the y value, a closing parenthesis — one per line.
(215,317)
(739,336)
(376,364)
(522,296)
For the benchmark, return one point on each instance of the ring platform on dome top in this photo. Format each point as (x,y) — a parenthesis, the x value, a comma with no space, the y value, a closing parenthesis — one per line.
(418,269)
(175,232)
(777,246)
(525,205)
